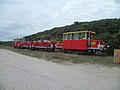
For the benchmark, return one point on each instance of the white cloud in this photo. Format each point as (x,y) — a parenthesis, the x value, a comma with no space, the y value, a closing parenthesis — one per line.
(90,9)
(24,17)
(70,4)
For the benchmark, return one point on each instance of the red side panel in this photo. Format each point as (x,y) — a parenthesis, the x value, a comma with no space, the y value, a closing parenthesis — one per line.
(95,43)
(75,44)
(16,44)
(79,44)
(66,44)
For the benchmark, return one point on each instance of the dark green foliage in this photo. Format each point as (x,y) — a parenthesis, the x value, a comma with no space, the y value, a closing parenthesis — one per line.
(6,43)
(106,29)
(0,42)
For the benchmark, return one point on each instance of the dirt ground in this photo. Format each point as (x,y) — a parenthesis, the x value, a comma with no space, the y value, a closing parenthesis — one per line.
(20,72)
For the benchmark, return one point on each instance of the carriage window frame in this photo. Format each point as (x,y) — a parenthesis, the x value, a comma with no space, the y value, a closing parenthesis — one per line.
(67,36)
(76,36)
(90,35)
(64,36)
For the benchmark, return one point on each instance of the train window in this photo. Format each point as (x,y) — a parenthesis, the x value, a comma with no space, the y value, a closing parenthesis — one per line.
(23,40)
(68,37)
(83,35)
(80,35)
(64,37)
(75,36)
(88,35)
(19,40)
(92,36)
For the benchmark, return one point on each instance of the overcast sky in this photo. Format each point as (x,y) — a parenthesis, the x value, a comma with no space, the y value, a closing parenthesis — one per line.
(19,18)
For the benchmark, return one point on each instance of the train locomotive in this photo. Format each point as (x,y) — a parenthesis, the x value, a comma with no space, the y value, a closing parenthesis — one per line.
(72,42)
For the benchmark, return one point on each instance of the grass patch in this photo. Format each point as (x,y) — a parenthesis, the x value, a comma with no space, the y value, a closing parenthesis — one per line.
(62,57)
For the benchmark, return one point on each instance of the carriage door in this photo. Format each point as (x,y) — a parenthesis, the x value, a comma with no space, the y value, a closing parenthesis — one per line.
(89,38)
(66,41)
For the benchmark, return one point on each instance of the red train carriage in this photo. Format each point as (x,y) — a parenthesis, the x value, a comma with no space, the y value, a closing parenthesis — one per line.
(44,45)
(25,44)
(82,41)
(41,44)
(17,41)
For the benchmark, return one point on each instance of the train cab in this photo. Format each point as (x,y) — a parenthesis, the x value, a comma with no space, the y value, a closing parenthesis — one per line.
(81,41)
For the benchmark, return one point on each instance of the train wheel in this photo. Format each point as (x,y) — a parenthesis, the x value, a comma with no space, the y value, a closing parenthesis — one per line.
(65,51)
(53,49)
(70,51)
(43,49)
(93,52)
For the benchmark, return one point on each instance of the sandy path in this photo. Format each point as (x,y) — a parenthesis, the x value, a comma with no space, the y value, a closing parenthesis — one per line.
(20,72)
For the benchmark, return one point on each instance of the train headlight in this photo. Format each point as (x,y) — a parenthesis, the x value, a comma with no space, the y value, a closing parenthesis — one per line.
(108,46)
